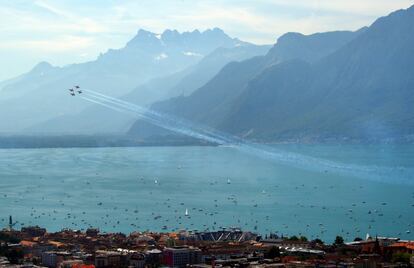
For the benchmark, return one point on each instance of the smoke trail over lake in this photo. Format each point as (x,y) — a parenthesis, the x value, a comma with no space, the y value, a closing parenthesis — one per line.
(167,122)
(185,127)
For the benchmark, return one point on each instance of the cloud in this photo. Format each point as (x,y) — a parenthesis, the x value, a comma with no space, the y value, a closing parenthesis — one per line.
(53,10)
(253,26)
(77,27)
(70,20)
(355,7)
(57,45)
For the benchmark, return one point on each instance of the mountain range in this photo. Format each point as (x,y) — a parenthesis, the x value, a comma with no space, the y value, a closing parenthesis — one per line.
(326,86)
(332,86)
(146,68)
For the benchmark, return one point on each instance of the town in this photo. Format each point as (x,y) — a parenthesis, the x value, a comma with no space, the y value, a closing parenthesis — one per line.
(230,247)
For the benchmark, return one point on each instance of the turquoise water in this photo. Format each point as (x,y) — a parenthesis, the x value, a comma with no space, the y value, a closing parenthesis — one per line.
(126,189)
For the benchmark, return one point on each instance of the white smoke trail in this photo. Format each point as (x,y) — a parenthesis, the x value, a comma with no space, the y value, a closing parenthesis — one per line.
(188,128)
(154,118)
(178,124)
(103,104)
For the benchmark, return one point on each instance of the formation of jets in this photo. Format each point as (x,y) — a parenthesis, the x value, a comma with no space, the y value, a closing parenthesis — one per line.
(74,90)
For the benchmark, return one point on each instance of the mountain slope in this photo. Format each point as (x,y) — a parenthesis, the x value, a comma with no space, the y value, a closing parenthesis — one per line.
(319,87)
(362,91)
(213,103)
(309,48)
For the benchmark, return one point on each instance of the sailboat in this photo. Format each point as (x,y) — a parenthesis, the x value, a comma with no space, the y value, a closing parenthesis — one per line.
(228,181)
(186,212)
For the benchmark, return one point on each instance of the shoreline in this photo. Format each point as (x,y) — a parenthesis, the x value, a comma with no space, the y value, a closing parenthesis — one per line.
(33,245)
(121,141)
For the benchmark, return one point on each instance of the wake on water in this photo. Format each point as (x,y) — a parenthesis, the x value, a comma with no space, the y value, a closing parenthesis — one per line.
(185,127)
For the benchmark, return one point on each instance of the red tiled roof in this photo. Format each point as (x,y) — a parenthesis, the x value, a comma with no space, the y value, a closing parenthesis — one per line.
(408,245)
(83,266)
(26,243)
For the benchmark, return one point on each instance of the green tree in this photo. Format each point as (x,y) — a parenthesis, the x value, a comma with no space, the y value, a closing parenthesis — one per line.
(272,253)
(8,238)
(294,238)
(318,241)
(339,240)
(14,255)
(170,242)
(401,257)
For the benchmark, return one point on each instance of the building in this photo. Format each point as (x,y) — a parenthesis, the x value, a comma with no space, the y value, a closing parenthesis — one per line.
(71,263)
(92,232)
(402,247)
(54,258)
(181,256)
(34,231)
(137,260)
(37,249)
(107,259)
(153,258)
(4,262)
(225,235)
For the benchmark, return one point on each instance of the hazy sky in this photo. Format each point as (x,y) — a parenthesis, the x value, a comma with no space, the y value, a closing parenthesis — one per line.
(70,31)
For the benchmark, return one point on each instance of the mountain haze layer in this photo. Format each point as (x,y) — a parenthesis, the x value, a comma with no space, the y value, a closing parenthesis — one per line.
(41,94)
(89,120)
(337,85)
(333,86)
(212,103)
(364,90)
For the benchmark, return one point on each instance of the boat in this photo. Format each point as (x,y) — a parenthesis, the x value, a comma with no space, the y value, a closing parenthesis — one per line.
(186,212)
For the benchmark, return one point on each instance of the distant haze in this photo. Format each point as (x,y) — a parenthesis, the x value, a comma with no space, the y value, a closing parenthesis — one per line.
(335,85)
(150,67)
(64,32)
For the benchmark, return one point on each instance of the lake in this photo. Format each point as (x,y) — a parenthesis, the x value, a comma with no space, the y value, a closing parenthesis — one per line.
(321,191)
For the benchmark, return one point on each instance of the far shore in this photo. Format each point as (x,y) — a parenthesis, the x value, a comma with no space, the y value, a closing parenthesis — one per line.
(102,141)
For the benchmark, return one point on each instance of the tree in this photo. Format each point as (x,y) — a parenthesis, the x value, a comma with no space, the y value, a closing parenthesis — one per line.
(272,253)
(401,257)
(339,240)
(14,255)
(317,241)
(303,238)
(9,238)
(294,238)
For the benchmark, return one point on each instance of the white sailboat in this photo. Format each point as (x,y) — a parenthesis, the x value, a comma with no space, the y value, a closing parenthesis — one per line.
(186,212)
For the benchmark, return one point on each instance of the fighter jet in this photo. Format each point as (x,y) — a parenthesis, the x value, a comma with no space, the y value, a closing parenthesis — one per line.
(74,90)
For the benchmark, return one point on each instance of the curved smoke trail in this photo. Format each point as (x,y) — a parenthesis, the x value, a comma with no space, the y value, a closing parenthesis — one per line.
(208,134)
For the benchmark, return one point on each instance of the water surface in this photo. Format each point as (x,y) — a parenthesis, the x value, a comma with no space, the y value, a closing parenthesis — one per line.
(140,188)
